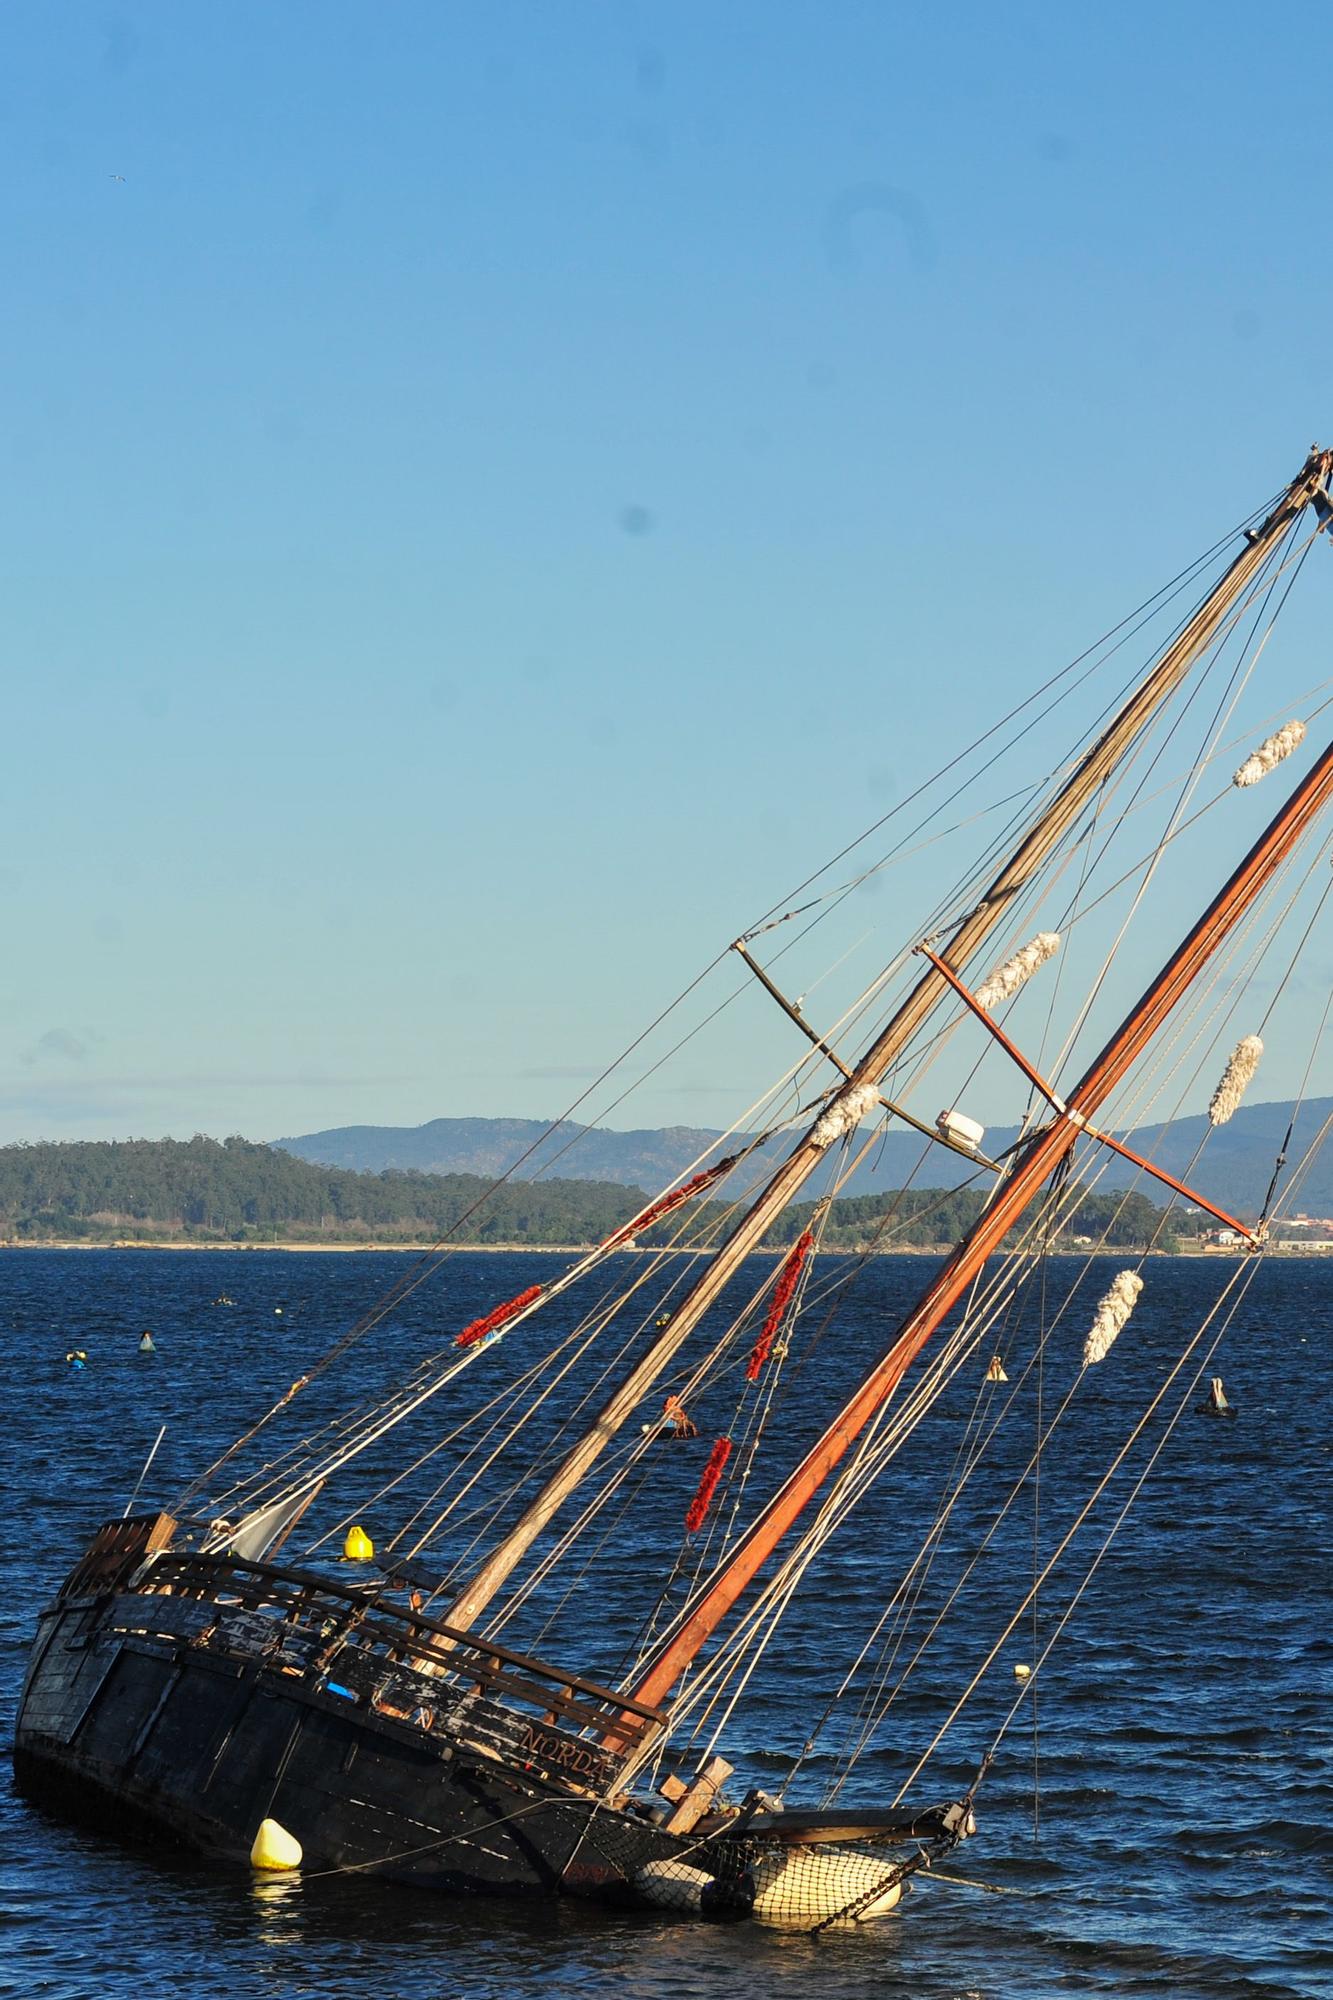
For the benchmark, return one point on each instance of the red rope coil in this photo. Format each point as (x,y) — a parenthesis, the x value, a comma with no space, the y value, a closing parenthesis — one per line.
(699,1506)
(657,1209)
(479,1328)
(777,1305)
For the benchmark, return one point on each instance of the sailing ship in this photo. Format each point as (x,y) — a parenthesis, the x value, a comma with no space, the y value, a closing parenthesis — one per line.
(207,1674)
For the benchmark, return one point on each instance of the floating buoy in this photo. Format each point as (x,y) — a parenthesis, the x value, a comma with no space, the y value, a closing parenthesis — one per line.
(358,1548)
(793,1885)
(274,1847)
(1022,1671)
(1216,1403)
(277,1309)
(147,1345)
(995,1373)
(673,1885)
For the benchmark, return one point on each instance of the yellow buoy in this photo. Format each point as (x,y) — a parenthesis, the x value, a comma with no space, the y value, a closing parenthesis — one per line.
(358,1548)
(1022,1671)
(274,1847)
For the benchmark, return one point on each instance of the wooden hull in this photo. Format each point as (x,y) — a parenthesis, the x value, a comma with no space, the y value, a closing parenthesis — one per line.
(160,1738)
(189,1698)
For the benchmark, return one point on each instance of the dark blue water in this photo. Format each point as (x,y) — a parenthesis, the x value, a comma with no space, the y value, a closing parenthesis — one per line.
(1186,1750)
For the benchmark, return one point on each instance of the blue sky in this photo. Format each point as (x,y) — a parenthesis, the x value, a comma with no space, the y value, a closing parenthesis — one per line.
(495,492)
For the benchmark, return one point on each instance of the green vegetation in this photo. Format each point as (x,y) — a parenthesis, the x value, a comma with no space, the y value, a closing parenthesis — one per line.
(234,1191)
(924,1218)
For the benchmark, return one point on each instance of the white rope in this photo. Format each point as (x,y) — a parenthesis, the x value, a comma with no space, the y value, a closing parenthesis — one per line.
(1270,753)
(1235,1079)
(1111,1316)
(1006,979)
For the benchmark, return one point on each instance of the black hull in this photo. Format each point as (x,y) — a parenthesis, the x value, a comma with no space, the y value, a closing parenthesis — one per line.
(188,1698)
(161,1737)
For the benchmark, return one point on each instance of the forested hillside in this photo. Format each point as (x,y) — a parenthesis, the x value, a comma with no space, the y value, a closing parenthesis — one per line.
(919,1217)
(234,1191)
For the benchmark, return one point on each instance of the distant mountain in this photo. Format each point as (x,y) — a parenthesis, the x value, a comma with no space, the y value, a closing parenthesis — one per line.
(1235,1169)
(490,1146)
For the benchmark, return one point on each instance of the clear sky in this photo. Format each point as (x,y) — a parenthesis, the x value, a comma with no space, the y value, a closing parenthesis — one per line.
(493,492)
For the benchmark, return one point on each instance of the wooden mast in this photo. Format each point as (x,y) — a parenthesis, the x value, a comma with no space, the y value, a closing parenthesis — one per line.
(1036,847)
(1032,1166)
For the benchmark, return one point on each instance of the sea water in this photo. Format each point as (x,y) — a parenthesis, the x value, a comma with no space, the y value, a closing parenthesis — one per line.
(1167,1832)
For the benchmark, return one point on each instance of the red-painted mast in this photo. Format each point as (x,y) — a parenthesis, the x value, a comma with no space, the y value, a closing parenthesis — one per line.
(1032,1166)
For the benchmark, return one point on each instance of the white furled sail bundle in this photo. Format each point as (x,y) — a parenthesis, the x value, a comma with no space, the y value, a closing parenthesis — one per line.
(1235,1079)
(844,1114)
(1270,753)
(1115,1308)
(1006,979)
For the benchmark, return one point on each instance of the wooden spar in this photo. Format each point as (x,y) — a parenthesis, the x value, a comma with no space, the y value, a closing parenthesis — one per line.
(789,1008)
(1057,1103)
(793,1013)
(1032,1166)
(783,1186)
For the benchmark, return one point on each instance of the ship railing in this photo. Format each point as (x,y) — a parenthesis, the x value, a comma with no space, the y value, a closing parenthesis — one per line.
(353,1638)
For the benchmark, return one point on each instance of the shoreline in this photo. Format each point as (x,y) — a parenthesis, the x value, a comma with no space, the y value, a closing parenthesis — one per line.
(1214,1250)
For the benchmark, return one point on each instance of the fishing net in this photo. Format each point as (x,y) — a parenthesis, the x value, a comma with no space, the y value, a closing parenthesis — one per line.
(806,1886)
(802,1875)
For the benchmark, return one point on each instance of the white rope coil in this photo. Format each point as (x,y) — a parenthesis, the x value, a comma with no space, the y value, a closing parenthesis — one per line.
(844,1114)
(1114,1310)
(1235,1079)
(1270,753)
(1006,979)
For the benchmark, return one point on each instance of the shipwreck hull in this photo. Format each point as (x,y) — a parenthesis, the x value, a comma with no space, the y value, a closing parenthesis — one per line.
(187,1698)
(190,1711)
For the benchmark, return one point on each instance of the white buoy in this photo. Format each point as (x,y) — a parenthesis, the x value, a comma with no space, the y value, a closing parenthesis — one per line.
(274,1848)
(803,1885)
(673,1885)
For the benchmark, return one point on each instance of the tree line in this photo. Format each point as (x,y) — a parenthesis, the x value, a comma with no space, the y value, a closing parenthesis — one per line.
(236,1190)
(926,1218)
